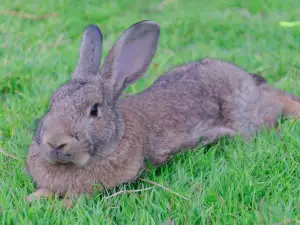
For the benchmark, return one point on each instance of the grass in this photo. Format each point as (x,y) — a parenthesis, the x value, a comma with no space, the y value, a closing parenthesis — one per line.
(232,182)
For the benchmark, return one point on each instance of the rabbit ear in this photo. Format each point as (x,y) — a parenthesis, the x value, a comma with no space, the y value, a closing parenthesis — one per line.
(130,57)
(90,53)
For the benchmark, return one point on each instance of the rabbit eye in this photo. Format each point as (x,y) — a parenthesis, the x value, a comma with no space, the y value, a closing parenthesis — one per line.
(95,110)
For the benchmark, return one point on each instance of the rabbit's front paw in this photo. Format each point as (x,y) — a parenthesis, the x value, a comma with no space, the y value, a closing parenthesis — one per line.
(39,193)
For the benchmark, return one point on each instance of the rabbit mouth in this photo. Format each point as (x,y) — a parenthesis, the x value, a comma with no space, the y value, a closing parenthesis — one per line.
(60,157)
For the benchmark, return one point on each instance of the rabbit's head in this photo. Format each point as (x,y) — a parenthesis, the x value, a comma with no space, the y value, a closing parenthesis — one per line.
(83,120)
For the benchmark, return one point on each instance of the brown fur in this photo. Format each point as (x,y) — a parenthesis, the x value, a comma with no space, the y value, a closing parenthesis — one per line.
(91,137)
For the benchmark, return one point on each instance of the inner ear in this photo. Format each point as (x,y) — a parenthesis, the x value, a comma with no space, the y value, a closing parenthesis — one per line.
(130,57)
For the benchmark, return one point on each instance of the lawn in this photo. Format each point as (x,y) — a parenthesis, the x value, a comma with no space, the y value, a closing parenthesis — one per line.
(231,182)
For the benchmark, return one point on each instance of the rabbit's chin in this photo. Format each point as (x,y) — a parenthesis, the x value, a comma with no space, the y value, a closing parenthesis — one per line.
(82,159)
(78,160)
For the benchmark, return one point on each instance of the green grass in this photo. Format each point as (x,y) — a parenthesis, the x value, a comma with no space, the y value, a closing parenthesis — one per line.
(232,182)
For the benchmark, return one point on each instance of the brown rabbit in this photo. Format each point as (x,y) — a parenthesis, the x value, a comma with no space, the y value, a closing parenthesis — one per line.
(92,137)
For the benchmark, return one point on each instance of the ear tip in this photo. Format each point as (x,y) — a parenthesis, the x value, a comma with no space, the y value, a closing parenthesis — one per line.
(93,29)
(150,23)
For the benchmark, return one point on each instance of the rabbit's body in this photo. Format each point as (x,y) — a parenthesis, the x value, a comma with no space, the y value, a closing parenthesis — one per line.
(90,138)
(201,100)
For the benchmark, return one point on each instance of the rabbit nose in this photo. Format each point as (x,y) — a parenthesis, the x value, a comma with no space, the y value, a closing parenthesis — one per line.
(58,142)
(60,146)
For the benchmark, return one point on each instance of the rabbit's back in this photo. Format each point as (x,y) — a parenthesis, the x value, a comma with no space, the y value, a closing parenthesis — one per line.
(191,100)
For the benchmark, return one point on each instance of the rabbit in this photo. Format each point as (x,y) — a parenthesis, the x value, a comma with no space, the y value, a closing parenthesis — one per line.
(93,138)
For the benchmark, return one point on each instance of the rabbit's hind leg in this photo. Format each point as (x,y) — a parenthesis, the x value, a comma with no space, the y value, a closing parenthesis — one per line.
(211,135)
(161,152)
